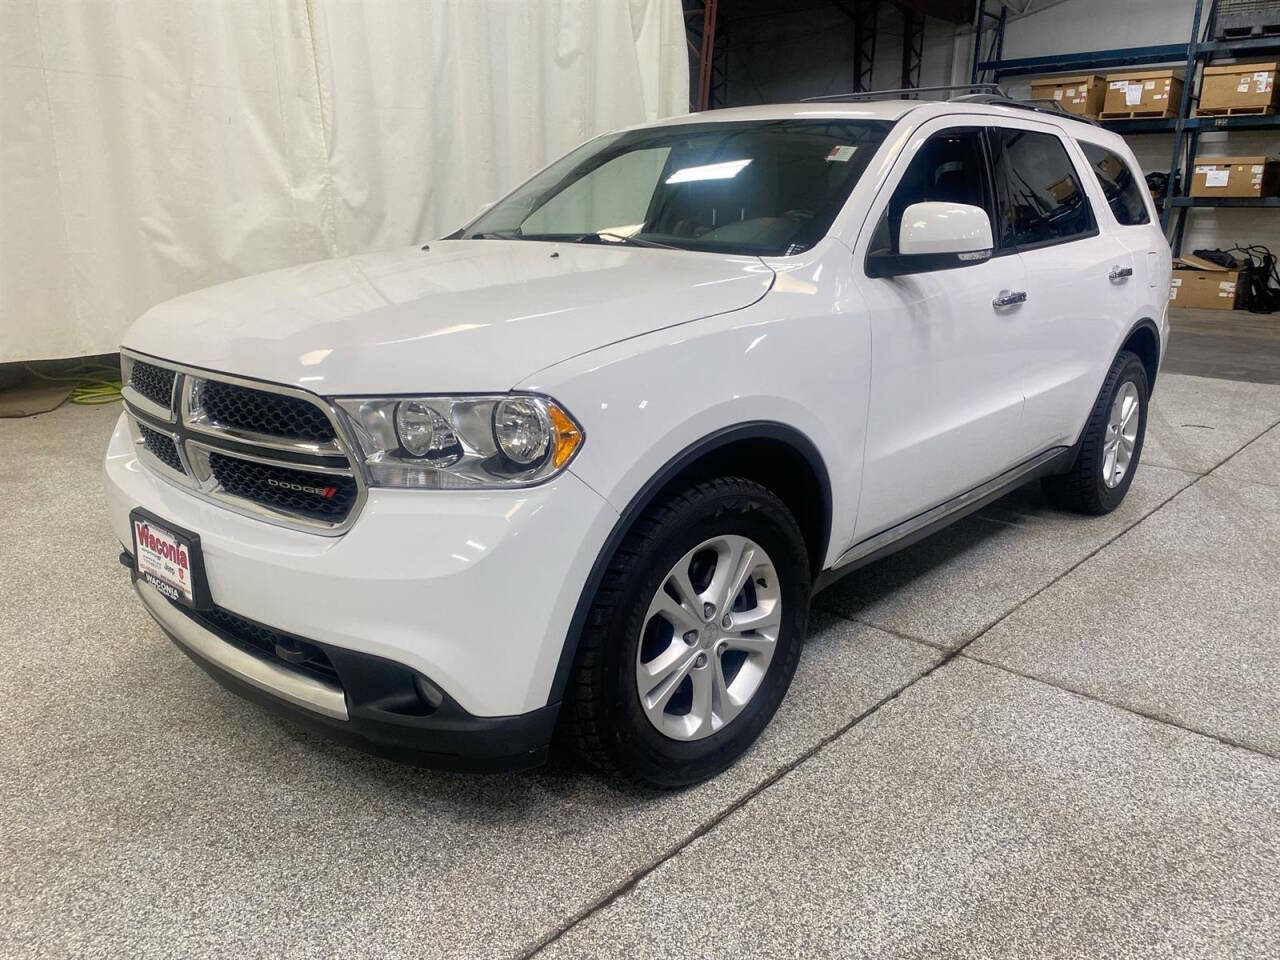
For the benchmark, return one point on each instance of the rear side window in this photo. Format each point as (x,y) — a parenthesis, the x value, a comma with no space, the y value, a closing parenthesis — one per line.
(1122,189)
(1039,197)
(950,167)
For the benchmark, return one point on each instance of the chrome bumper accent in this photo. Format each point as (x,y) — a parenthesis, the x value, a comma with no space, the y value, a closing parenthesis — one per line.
(302,691)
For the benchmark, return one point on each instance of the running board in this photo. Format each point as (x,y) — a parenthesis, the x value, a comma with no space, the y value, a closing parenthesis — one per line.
(922,525)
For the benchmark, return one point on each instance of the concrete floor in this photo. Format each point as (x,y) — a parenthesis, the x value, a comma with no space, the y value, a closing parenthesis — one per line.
(1031,735)
(1229,344)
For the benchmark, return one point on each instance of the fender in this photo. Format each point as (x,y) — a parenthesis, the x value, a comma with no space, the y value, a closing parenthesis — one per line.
(754,430)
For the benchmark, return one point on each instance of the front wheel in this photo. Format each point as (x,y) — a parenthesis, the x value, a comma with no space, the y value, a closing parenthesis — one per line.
(693,637)
(1111,445)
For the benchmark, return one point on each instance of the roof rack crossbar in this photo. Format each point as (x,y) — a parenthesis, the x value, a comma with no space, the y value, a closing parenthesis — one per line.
(908,92)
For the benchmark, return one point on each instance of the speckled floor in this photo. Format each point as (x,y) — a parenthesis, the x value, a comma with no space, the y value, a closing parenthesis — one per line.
(1031,735)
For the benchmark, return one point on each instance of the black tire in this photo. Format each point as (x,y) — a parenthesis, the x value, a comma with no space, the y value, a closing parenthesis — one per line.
(1082,488)
(602,716)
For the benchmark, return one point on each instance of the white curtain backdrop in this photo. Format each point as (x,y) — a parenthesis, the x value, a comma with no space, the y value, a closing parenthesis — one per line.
(150,147)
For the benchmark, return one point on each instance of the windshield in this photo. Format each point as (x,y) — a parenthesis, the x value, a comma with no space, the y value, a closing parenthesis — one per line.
(757,187)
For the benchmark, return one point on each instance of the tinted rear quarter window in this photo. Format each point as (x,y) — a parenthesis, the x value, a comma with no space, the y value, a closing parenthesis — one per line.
(1121,187)
(1040,199)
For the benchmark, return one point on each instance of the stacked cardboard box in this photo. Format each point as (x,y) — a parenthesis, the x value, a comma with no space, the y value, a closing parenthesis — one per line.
(1257,176)
(1142,93)
(1238,88)
(1081,96)
(1203,284)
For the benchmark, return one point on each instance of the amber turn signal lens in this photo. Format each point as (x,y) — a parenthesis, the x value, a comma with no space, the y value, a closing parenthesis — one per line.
(565,436)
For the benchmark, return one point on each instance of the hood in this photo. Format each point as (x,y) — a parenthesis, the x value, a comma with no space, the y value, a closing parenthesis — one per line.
(463,316)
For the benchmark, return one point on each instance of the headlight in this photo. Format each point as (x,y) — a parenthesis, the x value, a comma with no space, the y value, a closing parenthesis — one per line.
(461,442)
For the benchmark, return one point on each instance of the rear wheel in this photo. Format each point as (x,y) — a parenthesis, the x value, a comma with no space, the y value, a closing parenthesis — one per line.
(1111,446)
(693,636)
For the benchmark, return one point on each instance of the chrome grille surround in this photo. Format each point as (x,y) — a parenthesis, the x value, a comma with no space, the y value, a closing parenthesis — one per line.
(197,436)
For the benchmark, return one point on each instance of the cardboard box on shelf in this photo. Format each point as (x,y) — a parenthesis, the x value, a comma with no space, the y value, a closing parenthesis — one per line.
(1235,177)
(1143,93)
(1203,284)
(1081,96)
(1238,89)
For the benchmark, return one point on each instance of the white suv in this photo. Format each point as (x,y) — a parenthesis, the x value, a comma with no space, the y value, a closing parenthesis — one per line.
(581,465)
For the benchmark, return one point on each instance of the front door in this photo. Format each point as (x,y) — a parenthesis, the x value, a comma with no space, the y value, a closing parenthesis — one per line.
(945,398)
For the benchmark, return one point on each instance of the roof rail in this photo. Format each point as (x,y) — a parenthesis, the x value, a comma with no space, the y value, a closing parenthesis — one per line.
(909,93)
(1038,105)
(989,93)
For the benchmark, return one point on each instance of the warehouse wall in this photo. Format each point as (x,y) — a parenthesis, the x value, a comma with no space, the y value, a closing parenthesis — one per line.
(1079,25)
(786,56)
(148,147)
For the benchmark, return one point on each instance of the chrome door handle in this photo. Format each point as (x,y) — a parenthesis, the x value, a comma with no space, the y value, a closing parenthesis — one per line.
(1009,298)
(1121,273)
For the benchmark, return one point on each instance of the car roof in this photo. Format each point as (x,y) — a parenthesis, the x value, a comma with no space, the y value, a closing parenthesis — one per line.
(858,110)
(866,110)
(891,110)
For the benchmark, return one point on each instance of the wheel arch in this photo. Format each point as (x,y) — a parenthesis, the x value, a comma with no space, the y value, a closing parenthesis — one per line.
(1143,339)
(774,454)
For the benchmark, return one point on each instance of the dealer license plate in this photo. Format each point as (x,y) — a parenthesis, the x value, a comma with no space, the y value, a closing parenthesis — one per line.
(168,559)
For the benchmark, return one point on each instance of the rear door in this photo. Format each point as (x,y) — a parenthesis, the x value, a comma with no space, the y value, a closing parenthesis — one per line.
(1078,277)
(945,398)
(1131,213)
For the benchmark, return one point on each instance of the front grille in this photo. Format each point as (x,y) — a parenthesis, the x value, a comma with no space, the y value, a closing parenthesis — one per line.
(261,411)
(223,440)
(154,383)
(263,641)
(316,496)
(161,447)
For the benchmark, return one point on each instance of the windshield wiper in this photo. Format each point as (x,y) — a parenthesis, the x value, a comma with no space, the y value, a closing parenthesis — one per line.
(635,241)
(497,235)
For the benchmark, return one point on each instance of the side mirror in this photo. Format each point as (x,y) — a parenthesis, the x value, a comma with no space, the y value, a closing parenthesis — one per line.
(936,236)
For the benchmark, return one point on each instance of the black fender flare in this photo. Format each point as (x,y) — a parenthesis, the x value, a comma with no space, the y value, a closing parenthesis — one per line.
(1146,323)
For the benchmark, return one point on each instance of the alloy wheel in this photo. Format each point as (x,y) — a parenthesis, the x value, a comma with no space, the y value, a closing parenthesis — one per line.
(1122,434)
(708,637)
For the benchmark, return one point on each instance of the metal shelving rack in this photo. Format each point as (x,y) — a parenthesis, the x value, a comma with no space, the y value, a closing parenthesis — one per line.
(1186,129)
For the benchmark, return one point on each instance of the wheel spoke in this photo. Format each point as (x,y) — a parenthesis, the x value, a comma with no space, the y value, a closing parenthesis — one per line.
(655,703)
(729,552)
(689,597)
(763,617)
(755,643)
(653,673)
(700,711)
(1130,410)
(681,617)
(742,564)
(723,704)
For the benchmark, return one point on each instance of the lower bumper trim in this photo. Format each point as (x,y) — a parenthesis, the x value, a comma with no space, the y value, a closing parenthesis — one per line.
(367,713)
(290,686)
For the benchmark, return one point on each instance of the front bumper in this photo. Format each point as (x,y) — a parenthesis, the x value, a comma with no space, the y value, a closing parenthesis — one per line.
(474,591)
(375,707)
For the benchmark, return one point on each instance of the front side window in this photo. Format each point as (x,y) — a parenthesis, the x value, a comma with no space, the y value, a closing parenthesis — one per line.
(768,187)
(950,167)
(1040,199)
(1121,188)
